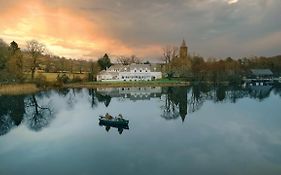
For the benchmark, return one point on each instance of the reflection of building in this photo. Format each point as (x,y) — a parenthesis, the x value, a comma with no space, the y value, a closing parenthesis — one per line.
(260,92)
(133,72)
(133,93)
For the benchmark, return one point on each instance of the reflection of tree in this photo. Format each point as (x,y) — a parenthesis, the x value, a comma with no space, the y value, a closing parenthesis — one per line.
(12,109)
(196,100)
(103,98)
(277,89)
(63,91)
(170,110)
(175,103)
(220,93)
(177,99)
(6,124)
(92,94)
(69,95)
(37,116)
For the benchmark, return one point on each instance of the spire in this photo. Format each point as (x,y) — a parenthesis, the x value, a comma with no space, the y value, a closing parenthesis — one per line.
(183,43)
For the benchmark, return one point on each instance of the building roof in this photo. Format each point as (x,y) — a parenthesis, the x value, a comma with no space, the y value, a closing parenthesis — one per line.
(127,68)
(259,72)
(139,66)
(103,72)
(119,67)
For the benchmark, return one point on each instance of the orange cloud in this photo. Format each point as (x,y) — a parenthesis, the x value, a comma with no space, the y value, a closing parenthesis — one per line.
(65,32)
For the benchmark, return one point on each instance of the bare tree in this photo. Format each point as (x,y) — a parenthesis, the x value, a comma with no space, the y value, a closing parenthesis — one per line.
(135,59)
(128,60)
(35,49)
(123,60)
(169,52)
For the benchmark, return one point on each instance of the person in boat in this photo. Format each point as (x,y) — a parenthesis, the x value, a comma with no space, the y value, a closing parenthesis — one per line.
(107,116)
(120,116)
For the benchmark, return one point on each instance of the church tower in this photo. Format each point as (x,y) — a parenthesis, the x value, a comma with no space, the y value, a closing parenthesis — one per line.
(183,51)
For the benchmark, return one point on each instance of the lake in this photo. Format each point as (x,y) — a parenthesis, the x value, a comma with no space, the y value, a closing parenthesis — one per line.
(172,130)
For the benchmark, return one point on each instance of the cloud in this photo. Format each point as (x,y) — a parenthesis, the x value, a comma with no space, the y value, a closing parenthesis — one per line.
(77,28)
(232,1)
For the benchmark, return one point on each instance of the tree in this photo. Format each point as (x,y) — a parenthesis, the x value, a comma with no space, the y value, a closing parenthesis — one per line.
(15,62)
(3,54)
(13,47)
(104,62)
(128,60)
(197,66)
(93,70)
(35,49)
(134,59)
(169,53)
(123,60)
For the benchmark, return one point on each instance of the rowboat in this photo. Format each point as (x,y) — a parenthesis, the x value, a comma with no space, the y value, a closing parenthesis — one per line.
(118,121)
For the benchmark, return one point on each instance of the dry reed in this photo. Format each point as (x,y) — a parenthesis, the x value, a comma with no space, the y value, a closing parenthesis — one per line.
(17,89)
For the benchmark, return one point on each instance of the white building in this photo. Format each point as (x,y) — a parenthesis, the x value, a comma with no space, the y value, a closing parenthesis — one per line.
(133,72)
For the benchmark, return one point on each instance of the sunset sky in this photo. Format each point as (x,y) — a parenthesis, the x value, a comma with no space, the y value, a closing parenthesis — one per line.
(89,28)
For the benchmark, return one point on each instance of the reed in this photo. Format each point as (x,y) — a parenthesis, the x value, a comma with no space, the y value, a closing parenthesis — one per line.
(17,89)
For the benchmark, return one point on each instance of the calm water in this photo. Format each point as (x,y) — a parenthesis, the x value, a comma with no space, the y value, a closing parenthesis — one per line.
(175,130)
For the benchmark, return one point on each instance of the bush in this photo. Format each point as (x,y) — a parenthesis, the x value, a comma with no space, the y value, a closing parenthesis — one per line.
(62,79)
(40,80)
(76,79)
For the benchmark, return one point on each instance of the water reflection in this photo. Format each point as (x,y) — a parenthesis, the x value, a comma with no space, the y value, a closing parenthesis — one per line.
(37,116)
(15,110)
(37,111)
(12,109)
(173,130)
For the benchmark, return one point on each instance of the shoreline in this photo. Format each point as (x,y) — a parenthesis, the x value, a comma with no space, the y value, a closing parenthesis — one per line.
(30,88)
(125,84)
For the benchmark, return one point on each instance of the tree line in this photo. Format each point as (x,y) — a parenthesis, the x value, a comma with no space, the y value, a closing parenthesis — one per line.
(214,69)
(21,65)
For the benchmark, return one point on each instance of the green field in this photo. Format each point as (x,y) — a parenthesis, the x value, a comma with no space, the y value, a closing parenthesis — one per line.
(52,77)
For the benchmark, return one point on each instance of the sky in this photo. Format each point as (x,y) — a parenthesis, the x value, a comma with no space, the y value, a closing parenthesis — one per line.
(89,28)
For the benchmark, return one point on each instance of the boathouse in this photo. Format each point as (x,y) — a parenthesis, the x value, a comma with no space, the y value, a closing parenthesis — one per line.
(260,77)
(261,74)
